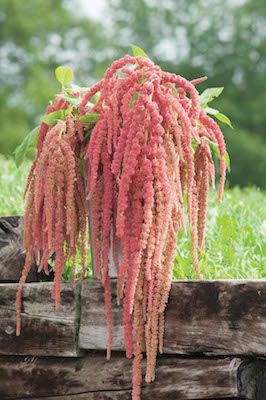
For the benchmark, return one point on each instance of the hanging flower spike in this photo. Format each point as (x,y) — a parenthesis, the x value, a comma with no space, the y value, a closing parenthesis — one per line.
(56,208)
(148,122)
(148,152)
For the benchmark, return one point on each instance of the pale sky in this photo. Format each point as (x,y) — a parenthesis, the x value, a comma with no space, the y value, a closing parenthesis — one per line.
(93,8)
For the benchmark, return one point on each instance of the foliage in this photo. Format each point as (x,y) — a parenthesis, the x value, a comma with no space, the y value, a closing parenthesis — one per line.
(209,95)
(12,185)
(235,238)
(73,97)
(138,52)
(224,40)
(64,75)
(248,155)
(27,146)
(31,46)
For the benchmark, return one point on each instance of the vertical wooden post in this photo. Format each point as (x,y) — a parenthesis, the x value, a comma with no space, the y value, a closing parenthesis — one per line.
(12,252)
(252,380)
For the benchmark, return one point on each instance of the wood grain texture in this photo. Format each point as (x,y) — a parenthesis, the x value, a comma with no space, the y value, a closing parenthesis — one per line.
(203,317)
(12,253)
(252,379)
(44,331)
(92,375)
(116,395)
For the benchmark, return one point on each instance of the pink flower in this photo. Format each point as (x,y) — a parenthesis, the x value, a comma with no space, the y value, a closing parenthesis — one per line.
(142,158)
(149,149)
(55,216)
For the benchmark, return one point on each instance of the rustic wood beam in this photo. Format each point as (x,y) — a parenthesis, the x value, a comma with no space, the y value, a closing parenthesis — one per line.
(252,379)
(116,395)
(202,317)
(44,330)
(176,378)
(212,318)
(12,253)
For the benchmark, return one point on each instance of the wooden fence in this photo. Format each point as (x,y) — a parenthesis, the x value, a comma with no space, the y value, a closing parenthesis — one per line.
(214,347)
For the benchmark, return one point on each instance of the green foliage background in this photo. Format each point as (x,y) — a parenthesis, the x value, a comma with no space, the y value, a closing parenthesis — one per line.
(225,40)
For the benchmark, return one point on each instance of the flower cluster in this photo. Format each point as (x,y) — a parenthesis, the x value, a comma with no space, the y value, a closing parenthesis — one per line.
(141,163)
(148,151)
(55,220)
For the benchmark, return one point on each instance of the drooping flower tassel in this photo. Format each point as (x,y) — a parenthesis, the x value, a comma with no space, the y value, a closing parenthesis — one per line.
(149,123)
(55,221)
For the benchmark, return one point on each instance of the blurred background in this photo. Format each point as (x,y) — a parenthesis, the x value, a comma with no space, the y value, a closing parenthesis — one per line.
(223,39)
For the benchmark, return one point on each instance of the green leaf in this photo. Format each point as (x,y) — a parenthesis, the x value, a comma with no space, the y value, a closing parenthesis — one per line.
(133,99)
(68,91)
(87,136)
(64,74)
(211,111)
(209,95)
(228,162)
(194,144)
(74,100)
(26,146)
(76,88)
(221,117)
(95,98)
(89,119)
(215,148)
(138,52)
(52,118)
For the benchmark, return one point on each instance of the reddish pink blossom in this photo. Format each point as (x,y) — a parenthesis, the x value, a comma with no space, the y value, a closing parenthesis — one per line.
(148,122)
(198,80)
(189,88)
(91,92)
(55,217)
(139,165)
(59,104)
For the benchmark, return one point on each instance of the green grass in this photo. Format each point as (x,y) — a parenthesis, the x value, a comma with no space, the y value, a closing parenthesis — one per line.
(12,183)
(235,238)
(235,234)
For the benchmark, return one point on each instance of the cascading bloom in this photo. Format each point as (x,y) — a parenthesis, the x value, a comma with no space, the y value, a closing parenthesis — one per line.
(55,221)
(141,162)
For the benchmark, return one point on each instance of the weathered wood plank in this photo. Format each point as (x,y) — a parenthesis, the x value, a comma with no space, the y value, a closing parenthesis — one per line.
(116,395)
(176,378)
(110,395)
(12,253)
(44,331)
(252,380)
(208,317)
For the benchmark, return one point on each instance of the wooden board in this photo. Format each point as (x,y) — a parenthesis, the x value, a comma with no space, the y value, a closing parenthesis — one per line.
(12,253)
(252,379)
(94,376)
(117,395)
(203,317)
(44,331)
